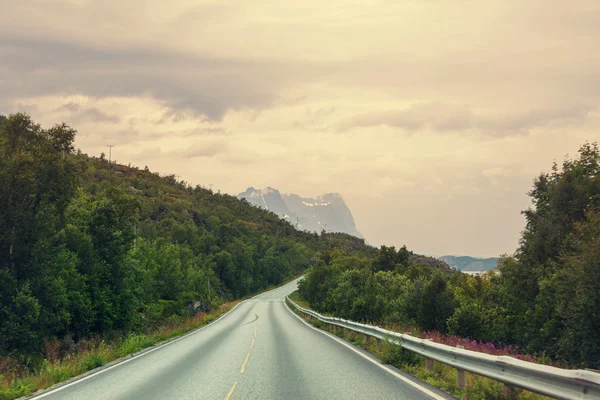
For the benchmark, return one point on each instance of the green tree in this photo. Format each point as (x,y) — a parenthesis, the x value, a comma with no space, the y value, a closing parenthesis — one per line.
(579,295)
(36,184)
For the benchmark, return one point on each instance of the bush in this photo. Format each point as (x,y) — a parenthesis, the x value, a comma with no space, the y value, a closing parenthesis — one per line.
(94,360)
(134,343)
(467,321)
(394,354)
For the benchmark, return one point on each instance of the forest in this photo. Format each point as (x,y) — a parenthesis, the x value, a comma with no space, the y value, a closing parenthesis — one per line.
(545,298)
(90,248)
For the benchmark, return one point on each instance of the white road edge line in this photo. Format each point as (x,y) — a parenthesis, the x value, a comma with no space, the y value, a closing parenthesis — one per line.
(52,391)
(375,362)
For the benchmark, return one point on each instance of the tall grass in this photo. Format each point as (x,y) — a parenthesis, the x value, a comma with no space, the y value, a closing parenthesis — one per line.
(64,360)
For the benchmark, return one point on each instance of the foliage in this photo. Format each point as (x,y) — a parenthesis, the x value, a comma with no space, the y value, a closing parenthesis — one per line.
(544,300)
(386,288)
(90,248)
(394,354)
(65,359)
(134,343)
(441,376)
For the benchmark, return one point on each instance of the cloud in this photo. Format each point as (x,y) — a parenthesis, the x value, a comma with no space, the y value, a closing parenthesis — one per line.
(70,106)
(444,117)
(79,114)
(520,122)
(195,84)
(236,159)
(95,115)
(203,149)
(237,92)
(437,115)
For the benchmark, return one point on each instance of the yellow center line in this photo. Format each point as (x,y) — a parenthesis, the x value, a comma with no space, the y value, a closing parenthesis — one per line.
(252,344)
(245,362)
(231,391)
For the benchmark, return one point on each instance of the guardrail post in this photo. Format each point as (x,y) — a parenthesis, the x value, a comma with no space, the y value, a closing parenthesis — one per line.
(429,361)
(461,377)
(508,392)
(429,364)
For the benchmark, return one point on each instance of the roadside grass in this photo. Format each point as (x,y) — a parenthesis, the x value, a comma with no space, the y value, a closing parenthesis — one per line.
(89,354)
(295,297)
(17,380)
(441,376)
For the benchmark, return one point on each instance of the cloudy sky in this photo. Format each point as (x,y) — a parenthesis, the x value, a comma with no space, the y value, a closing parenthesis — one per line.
(430,117)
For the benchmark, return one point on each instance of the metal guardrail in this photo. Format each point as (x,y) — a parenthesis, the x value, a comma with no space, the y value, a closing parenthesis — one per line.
(549,381)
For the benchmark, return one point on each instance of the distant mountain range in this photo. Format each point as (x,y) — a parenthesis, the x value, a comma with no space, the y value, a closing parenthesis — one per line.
(328,211)
(466,263)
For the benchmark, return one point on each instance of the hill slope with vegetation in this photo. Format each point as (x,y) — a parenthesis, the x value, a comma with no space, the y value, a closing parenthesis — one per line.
(545,299)
(89,248)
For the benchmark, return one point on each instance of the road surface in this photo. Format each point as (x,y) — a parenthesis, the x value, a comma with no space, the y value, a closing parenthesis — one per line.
(260,350)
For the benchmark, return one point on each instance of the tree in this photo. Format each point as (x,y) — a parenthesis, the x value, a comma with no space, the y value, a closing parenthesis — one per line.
(90,250)
(579,295)
(36,185)
(387,259)
(547,291)
(436,304)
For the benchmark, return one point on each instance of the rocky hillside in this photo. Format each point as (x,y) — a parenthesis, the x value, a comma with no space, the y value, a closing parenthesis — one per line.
(328,211)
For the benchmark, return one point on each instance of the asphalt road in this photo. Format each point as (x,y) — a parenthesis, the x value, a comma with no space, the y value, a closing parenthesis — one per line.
(260,350)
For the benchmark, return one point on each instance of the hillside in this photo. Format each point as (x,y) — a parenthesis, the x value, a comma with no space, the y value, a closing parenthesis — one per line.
(88,247)
(466,263)
(327,212)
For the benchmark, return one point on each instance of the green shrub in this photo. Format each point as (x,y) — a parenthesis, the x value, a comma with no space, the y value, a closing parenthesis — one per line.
(94,360)
(134,343)
(19,389)
(484,389)
(394,354)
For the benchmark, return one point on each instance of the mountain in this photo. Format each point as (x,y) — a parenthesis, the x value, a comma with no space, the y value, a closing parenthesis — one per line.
(328,211)
(269,199)
(466,263)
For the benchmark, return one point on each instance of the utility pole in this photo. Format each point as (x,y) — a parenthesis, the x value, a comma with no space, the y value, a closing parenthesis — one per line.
(110,146)
(210,185)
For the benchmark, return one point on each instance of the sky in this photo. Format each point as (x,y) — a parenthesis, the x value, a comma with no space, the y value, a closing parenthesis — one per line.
(430,117)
